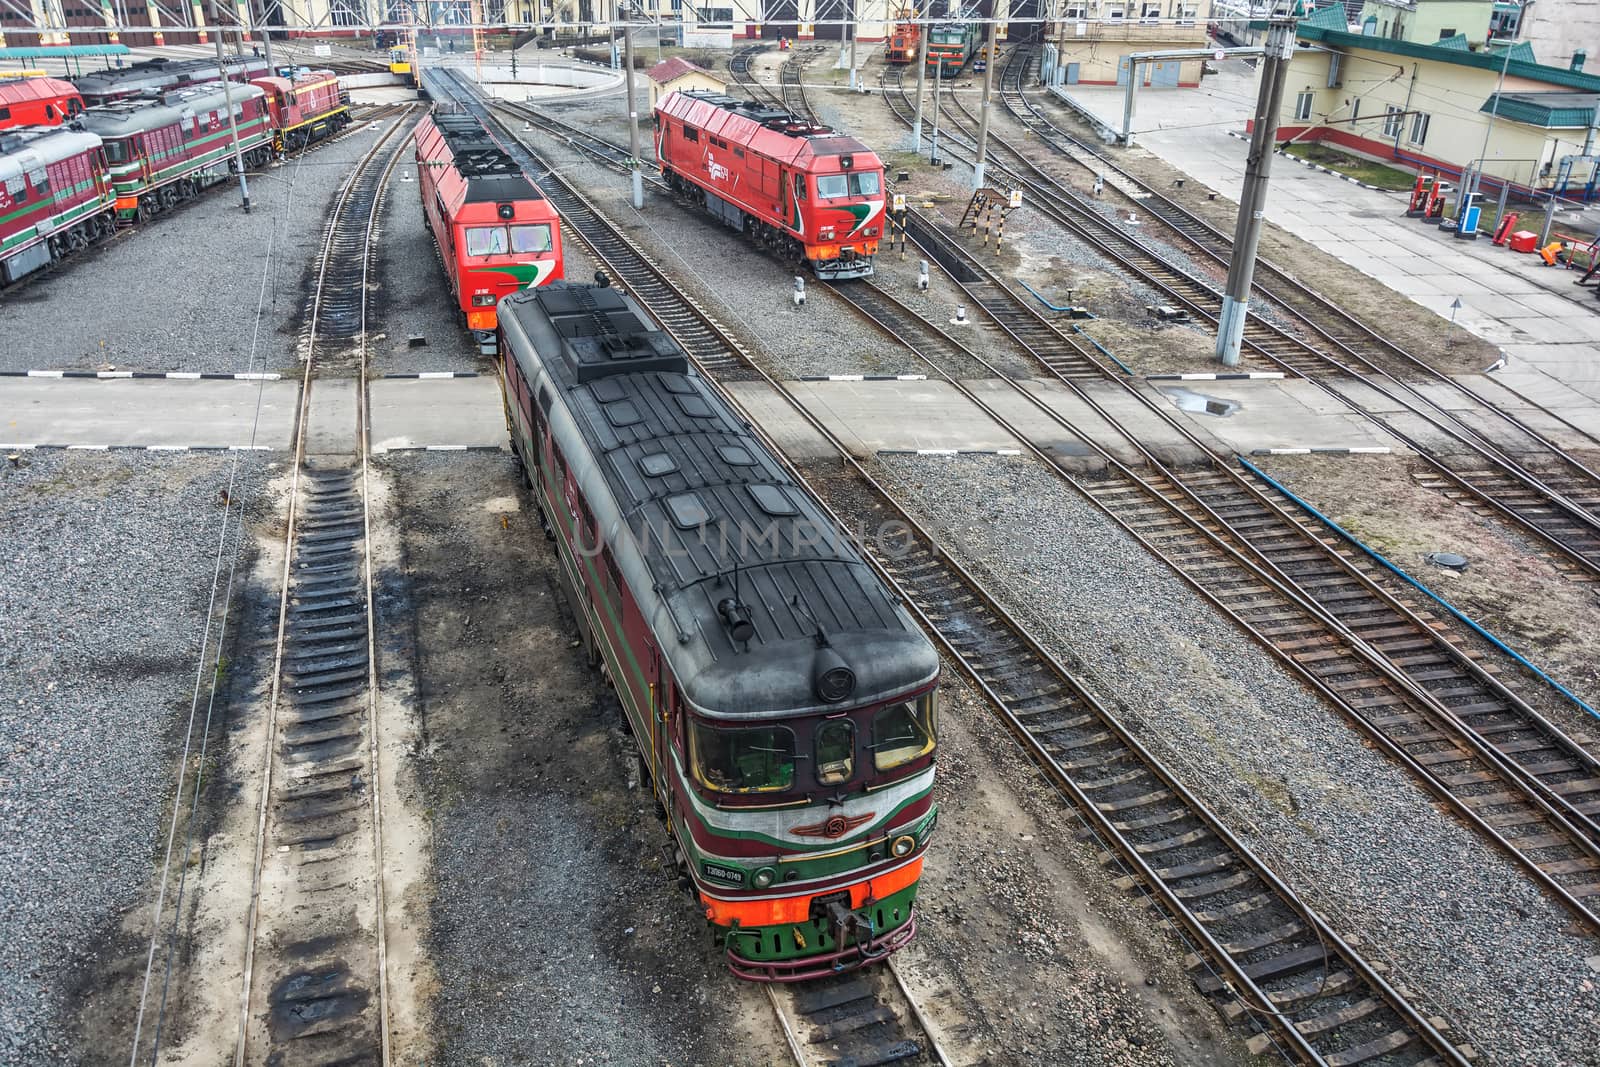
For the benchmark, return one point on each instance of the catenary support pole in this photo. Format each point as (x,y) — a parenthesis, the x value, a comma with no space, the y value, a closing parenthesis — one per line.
(854,27)
(983,112)
(633,118)
(1253,200)
(233,120)
(922,82)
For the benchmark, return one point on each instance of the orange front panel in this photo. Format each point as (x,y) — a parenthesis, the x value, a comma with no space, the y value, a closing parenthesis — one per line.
(750,913)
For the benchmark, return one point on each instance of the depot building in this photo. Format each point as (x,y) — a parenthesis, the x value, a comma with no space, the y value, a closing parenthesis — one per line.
(1429,107)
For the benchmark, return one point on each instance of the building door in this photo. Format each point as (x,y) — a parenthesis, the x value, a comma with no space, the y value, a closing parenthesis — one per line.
(1072,74)
(1164,75)
(780,18)
(1122,71)
(831,16)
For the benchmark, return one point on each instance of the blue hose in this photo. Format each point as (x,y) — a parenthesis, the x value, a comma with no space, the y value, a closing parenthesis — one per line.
(1103,350)
(1451,608)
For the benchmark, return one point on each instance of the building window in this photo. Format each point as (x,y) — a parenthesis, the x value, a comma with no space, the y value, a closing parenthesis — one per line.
(1419,129)
(1393,119)
(1114,14)
(1150,12)
(1072,13)
(1302,107)
(1446,33)
(1187,14)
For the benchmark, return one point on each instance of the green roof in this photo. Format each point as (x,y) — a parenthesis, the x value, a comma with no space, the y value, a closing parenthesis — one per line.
(1521,50)
(1520,66)
(64,51)
(1458,43)
(1550,111)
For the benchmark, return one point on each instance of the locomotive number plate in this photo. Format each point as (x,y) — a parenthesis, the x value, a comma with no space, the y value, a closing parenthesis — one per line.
(726,875)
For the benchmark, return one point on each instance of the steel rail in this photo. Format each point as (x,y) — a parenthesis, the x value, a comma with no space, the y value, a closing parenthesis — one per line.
(1208,237)
(1577,538)
(1554,821)
(326,258)
(1235,976)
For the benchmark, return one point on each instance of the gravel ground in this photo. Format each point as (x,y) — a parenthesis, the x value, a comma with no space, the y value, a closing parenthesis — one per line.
(554,933)
(206,322)
(104,584)
(1337,820)
(415,298)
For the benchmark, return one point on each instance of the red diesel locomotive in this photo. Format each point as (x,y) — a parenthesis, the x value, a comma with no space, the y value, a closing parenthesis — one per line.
(803,190)
(37,102)
(780,694)
(304,106)
(495,231)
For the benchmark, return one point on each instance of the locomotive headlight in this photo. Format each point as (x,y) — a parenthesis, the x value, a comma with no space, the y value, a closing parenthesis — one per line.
(483,300)
(903,845)
(764,877)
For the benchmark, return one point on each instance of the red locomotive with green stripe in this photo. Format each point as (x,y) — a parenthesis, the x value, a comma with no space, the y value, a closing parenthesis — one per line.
(779,693)
(495,231)
(161,153)
(799,189)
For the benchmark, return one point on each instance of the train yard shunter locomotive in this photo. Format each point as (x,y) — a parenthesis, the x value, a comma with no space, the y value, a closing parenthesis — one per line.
(161,153)
(156,76)
(55,197)
(901,47)
(37,102)
(801,190)
(304,106)
(495,231)
(781,696)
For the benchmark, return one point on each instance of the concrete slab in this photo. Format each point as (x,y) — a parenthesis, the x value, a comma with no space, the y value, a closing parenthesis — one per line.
(870,417)
(331,417)
(792,434)
(1558,416)
(1292,413)
(148,413)
(435,413)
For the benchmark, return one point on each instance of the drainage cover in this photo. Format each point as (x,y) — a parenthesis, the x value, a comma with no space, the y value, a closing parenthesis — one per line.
(1448,559)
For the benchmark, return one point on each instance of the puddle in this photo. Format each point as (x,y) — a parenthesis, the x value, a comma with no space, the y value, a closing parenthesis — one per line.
(1189,400)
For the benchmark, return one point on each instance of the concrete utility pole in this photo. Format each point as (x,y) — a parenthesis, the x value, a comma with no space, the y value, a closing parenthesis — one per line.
(233,122)
(633,118)
(922,81)
(938,80)
(1253,201)
(853,28)
(983,112)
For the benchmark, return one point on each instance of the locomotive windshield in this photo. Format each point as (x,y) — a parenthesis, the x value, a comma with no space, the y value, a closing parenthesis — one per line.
(762,759)
(902,733)
(856,183)
(491,240)
(752,760)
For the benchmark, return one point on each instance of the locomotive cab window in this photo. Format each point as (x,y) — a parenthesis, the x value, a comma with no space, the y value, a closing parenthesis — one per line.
(486,240)
(751,760)
(832,185)
(903,732)
(856,183)
(531,238)
(836,751)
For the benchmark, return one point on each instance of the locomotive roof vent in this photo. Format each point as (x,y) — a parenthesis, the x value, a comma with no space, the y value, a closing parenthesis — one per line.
(602,333)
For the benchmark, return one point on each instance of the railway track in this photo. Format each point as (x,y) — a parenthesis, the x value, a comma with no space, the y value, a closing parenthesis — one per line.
(792,86)
(315,984)
(1322,610)
(739,65)
(1501,766)
(1560,506)
(696,330)
(864,1017)
(1260,949)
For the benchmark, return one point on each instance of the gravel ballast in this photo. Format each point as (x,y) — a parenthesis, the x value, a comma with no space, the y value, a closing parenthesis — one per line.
(1337,821)
(105,579)
(181,292)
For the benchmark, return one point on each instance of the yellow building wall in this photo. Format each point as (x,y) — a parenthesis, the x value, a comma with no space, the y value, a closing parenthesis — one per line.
(685,82)
(1097,34)
(1449,96)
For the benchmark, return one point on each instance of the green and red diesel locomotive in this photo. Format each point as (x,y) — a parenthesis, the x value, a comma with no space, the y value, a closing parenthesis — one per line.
(780,694)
